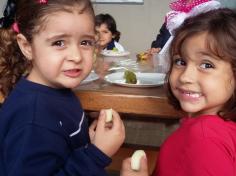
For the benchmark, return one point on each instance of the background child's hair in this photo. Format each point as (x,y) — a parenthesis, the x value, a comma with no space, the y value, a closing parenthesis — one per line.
(110,22)
(220,26)
(30,16)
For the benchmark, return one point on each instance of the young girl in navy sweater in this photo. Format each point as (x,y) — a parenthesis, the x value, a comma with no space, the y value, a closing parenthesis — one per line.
(46,50)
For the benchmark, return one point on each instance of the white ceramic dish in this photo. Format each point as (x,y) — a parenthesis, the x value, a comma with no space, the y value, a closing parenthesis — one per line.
(91,77)
(115,53)
(143,79)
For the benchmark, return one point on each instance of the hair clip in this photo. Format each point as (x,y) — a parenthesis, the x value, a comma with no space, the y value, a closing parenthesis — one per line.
(15,27)
(42,1)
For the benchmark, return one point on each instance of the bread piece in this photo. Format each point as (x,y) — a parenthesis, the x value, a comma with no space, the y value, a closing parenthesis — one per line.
(136,158)
(108,115)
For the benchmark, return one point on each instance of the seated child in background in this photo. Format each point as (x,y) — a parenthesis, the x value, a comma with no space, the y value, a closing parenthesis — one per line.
(108,35)
(201,82)
(180,9)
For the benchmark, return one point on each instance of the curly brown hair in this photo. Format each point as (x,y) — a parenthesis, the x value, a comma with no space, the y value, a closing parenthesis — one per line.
(30,16)
(12,61)
(220,26)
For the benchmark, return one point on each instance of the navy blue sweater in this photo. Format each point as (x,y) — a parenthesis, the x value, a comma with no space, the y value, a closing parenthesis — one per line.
(44,131)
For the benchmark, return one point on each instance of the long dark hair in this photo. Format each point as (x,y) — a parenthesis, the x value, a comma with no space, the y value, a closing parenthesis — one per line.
(30,16)
(220,26)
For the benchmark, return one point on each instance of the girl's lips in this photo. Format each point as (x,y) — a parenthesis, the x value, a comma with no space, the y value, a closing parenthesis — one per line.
(73,73)
(189,95)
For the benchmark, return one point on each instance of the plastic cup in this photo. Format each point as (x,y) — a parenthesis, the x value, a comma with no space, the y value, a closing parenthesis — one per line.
(160,63)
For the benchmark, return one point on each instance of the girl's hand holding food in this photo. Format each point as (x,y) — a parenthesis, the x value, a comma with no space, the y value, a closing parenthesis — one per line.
(107,136)
(126,169)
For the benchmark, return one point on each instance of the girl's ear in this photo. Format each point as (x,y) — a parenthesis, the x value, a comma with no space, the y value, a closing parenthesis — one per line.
(25,46)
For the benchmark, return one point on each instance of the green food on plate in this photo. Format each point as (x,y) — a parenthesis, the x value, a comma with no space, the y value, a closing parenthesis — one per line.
(115,49)
(130,77)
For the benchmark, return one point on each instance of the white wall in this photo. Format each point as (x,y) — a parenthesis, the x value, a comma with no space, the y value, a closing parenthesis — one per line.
(1,7)
(138,24)
(228,3)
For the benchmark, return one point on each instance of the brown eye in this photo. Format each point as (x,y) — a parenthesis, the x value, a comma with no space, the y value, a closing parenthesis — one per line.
(179,62)
(206,65)
(88,43)
(59,43)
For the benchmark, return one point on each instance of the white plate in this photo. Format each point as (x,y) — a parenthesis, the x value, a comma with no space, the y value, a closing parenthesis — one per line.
(115,53)
(91,77)
(143,79)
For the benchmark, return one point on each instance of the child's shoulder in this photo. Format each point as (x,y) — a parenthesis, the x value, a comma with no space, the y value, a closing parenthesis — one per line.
(214,121)
(211,126)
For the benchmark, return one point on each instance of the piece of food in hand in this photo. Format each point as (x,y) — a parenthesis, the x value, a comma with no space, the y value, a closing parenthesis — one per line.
(136,159)
(143,56)
(108,115)
(130,77)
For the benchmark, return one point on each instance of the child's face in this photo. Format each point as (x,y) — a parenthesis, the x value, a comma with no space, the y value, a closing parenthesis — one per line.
(200,81)
(62,52)
(104,35)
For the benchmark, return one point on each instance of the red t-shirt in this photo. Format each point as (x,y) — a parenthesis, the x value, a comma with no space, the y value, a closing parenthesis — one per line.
(202,146)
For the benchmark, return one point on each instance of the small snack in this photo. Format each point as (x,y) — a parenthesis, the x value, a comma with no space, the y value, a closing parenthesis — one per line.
(136,158)
(108,115)
(115,49)
(130,77)
(143,56)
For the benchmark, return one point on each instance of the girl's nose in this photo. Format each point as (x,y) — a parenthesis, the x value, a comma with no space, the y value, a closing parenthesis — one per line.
(75,55)
(188,75)
(76,59)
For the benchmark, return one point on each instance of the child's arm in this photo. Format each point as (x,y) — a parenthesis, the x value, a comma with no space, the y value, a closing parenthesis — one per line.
(161,38)
(38,151)
(108,137)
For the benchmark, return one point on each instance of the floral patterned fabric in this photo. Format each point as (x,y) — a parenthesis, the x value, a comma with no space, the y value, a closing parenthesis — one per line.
(184,5)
